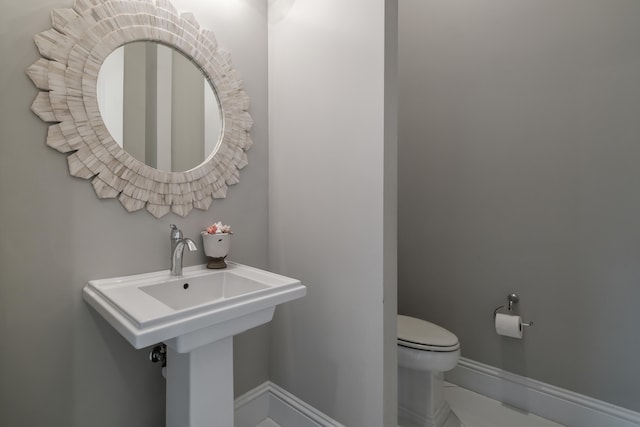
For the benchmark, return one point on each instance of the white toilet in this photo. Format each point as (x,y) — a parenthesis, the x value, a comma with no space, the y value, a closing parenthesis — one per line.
(425,352)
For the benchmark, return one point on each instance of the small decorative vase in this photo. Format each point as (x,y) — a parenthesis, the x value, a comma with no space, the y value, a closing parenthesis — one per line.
(216,247)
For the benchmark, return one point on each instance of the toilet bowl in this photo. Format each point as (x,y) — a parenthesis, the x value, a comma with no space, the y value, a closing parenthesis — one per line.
(425,352)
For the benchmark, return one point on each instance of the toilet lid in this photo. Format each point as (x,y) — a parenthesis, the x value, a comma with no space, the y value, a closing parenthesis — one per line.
(423,335)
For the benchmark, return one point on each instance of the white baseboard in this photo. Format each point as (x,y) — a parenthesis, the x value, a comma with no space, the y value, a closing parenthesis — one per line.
(252,407)
(271,401)
(554,403)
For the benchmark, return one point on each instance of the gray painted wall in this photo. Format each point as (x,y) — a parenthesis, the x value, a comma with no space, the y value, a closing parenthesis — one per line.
(187,115)
(332,205)
(518,154)
(136,91)
(61,364)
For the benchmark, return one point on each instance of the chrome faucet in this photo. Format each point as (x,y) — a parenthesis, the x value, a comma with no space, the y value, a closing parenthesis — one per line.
(177,249)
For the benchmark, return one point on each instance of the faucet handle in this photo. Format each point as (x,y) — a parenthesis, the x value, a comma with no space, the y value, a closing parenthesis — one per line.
(176,234)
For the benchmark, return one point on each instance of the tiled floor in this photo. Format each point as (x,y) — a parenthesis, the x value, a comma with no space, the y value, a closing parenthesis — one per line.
(475,410)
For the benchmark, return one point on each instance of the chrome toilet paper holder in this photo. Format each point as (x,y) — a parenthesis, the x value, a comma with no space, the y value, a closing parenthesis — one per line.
(512,299)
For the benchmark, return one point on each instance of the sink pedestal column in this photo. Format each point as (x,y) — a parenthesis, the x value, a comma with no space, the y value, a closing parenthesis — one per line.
(200,385)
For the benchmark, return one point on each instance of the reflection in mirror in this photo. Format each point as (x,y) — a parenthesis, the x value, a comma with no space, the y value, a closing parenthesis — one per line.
(159,106)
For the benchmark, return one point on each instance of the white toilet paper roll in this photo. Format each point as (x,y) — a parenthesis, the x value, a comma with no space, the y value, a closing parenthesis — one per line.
(509,325)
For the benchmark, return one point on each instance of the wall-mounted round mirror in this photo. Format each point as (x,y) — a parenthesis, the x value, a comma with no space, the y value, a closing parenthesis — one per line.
(159,106)
(147,152)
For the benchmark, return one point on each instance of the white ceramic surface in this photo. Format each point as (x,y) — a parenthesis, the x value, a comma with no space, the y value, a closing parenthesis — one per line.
(420,373)
(200,307)
(216,245)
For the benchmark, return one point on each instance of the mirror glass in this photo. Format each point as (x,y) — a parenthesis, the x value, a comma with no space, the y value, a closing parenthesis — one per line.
(159,106)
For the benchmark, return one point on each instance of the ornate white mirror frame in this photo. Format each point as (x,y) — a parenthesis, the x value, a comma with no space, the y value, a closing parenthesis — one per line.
(73,51)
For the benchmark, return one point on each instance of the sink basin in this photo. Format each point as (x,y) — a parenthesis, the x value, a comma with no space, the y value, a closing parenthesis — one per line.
(201,306)
(180,294)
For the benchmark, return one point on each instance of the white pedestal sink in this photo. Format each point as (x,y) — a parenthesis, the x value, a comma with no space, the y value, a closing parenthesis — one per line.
(196,316)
